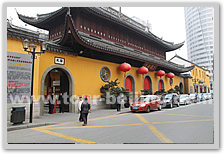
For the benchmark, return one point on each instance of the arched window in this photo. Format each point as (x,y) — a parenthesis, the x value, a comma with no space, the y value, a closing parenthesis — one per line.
(147,83)
(161,84)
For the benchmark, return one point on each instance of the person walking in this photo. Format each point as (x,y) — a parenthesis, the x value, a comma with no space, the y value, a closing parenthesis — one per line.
(85,110)
(51,103)
(118,103)
(79,108)
(61,103)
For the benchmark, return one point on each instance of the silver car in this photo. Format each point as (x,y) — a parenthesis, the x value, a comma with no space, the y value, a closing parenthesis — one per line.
(194,97)
(209,96)
(184,99)
(170,100)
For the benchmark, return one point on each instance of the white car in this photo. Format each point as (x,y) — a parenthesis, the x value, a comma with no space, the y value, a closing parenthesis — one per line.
(184,99)
(209,96)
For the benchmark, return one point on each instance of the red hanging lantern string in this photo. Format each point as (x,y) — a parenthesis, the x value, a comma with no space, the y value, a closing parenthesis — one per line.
(160,73)
(170,75)
(124,67)
(143,70)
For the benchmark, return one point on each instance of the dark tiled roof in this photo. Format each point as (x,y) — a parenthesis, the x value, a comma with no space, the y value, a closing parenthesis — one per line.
(23,33)
(112,15)
(98,43)
(40,18)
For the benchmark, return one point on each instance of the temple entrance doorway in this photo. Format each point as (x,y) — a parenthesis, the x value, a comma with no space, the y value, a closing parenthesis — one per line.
(56,81)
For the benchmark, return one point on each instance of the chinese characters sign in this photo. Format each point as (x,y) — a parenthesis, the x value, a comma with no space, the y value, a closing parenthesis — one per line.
(150,66)
(19,73)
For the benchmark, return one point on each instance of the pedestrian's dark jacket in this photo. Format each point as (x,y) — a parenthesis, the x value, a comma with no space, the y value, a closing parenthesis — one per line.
(60,100)
(85,107)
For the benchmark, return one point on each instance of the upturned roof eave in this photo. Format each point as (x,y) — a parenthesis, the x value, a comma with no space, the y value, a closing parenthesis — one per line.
(40,19)
(20,33)
(43,18)
(170,46)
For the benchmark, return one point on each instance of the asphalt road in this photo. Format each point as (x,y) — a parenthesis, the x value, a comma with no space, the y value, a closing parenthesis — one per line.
(188,124)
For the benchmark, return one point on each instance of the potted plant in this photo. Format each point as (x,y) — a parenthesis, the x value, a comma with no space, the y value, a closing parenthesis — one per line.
(114,90)
(146,92)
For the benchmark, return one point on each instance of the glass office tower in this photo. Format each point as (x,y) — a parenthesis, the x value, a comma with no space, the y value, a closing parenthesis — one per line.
(199,24)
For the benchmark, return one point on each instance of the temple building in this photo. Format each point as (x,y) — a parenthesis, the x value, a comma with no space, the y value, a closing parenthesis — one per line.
(86,46)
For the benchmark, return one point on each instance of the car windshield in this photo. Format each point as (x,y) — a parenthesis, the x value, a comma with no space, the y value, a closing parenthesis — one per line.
(143,99)
(168,96)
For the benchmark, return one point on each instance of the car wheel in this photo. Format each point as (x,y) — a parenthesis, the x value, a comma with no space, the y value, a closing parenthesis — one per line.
(133,111)
(160,107)
(148,109)
(171,105)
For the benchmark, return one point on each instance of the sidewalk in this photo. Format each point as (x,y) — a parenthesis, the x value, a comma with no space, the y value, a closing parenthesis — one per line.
(51,119)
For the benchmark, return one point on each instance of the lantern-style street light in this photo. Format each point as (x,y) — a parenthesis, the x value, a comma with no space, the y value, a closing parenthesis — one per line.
(32,49)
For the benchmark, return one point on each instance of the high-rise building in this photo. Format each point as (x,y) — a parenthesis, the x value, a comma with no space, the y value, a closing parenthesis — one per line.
(199,25)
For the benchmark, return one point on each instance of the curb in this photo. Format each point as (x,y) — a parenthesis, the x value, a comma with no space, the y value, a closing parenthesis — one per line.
(32,125)
(29,126)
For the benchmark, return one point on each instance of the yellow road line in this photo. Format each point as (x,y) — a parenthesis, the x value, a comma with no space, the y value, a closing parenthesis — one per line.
(184,115)
(157,133)
(181,121)
(51,126)
(119,125)
(109,117)
(141,118)
(63,136)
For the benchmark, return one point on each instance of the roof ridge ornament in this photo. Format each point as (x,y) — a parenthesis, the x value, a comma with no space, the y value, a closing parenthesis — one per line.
(119,12)
(69,11)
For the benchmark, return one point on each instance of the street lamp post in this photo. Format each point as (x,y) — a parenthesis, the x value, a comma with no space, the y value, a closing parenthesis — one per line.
(32,49)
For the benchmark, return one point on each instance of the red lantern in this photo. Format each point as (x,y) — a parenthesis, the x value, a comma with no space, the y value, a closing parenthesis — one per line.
(124,67)
(143,70)
(170,75)
(160,73)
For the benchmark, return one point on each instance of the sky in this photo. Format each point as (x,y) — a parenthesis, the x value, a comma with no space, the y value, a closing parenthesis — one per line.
(167,22)
(174,35)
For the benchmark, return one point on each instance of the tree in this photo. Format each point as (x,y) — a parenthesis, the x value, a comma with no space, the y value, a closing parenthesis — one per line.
(146,92)
(160,92)
(177,88)
(172,91)
(113,88)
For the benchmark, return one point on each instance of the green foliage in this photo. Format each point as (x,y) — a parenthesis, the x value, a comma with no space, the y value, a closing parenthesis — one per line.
(146,92)
(171,91)
(113,88)
(160,92)
(177,88)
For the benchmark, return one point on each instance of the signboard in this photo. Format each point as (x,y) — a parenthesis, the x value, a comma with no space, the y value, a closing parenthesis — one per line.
(56,83)
(19,73)
(150,66)
(59,60)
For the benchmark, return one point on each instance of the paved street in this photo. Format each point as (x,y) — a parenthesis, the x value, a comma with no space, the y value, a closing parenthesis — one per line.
(192,123)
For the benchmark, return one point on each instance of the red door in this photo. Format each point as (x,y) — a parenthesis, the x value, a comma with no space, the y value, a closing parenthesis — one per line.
(160,84)
(128,84)
(146,83)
